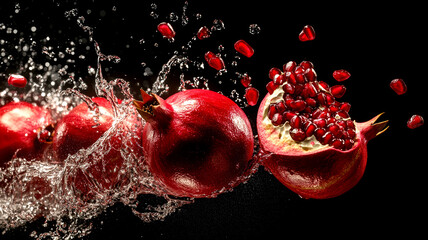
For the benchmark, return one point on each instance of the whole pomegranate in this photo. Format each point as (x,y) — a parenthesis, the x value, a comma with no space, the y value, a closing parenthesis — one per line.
(197,143)
(21,131)
(313,147)
(80,129)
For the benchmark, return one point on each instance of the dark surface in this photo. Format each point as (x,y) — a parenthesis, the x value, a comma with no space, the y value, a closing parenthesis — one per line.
(374,43)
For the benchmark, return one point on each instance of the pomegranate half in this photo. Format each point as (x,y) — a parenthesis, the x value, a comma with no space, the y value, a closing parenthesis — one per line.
(197,143)
(312,146)
(20,126)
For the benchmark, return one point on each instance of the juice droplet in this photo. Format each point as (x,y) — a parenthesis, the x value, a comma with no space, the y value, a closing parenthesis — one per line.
(341,75)
(215,61)
(203,33)
(246,80)
(17,80)
(166,30)
(415,121)
(244,48)
(399,86)
(307,34)
(252,96)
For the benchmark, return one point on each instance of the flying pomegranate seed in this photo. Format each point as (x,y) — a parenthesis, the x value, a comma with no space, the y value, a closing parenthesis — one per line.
(398,86)
(166,30)
(341,75)
(203,33)
(252,96)
(415,121)
(338,91)
(307,34)
(214,61)
(246,80)
(244,48)
(17,80)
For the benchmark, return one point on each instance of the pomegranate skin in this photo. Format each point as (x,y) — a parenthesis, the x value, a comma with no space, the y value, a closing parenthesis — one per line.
(20,123)
(198,143)
(76,131)
(319,174)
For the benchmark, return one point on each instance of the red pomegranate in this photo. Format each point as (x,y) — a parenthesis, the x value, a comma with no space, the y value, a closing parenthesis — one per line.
(197,143)
(313,147)
(20,126)
(79,130)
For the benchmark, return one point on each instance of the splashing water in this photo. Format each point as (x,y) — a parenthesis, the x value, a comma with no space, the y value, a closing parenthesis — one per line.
(30,189)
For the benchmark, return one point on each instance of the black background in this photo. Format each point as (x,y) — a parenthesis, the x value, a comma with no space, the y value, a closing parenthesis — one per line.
(375,43)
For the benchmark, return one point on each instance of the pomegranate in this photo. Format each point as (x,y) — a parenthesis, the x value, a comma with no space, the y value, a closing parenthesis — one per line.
(313,146)
(197,143)
(78,130)
(20,125)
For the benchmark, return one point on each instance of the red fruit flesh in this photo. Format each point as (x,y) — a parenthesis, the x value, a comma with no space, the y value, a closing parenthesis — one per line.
(318,151)
(197,143)
(20,123)
(78,130)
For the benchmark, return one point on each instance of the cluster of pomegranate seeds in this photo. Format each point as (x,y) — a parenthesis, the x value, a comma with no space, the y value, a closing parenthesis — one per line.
(215,61)
(17,80)
(415,121)
(398,86)
(203,33)
(309,106)
(307,34)
(244,48)
(166,30)
(341,75)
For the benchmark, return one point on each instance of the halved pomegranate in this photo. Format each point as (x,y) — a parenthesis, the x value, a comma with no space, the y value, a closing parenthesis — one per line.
(314,148)
(20,126)
(197,143)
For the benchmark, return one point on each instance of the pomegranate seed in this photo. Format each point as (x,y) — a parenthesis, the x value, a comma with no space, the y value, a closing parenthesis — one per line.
(252,96)
(310,129)
(319,133)
(203,33)
(215,61)
(271,111)
(288,88)
(273,72)
(295,122)
(166,30)
(290,66)
(321,123)
(338,91)
(324,85)
(279,79)
(338,143)
(306,65)
(345,107)
(351,133)
(343,114)
(348,144)
(289,115)
(17,80)
(298,105)
(307,34)
(341,75)
(415,121)
(244,48)
(297,134)
(277,119)
(321,98)
(398,86)
(311,102)
(350,124)
(280,107)
(291,77)
(300,78)
(334,129)
(330,120)
(310,74)
(271,87)
(246,80)
(327,138)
